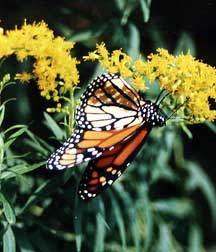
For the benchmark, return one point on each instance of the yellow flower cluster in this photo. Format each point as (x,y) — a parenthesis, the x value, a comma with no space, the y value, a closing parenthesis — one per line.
(191,82)
(116,62)
(52,56)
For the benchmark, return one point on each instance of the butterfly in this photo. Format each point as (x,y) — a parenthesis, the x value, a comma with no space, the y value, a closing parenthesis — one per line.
(113,122)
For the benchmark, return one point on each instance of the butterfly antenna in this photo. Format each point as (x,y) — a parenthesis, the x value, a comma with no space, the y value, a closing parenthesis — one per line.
(158,97)
(167,94)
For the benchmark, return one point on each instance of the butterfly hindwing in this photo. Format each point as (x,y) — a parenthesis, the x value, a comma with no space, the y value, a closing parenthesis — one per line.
(85,145)
(70,153)
(104,170)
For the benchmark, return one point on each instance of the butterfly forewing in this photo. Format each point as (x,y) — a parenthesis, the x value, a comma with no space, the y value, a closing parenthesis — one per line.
(106,116)
(108,103)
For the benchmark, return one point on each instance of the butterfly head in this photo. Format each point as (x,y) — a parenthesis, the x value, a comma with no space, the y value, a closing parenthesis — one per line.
(153,115)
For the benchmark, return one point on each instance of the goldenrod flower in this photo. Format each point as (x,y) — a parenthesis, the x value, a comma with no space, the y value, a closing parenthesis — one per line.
(139,82)
(190,82)
(52,55)
(23,77)
(188,79)
(117,62)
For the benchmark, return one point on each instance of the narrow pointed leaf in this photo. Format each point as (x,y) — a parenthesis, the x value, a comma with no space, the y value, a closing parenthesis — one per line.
(145,7)
(119,220)
(53,126)
(8,209)
(9,243)
(20,169)
(195,239)
(100,229)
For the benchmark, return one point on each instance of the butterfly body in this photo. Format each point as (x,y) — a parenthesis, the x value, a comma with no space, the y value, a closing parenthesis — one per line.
(113,121)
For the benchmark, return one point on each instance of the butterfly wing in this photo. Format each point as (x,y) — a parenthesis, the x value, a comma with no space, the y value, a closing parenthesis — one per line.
(108,103)
(104,170)
(85,145)
(108,114)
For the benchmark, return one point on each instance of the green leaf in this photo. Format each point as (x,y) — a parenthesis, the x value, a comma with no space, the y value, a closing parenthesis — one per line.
(6,79)
(14,136)
(175,207)
(2,113)
(195,239)
(86,35)
(148,216)
(20,169)
(186,130)
(77,223)
(166,241)
(8,100)
(162,168)
(100,233)
(82,36)
(120,4)
(156,36)
(8,210)
(1,152)
(211,126)
(199,179)
(185,43)
(17,126)
(134,42)
(119,219)
(53,126)
(100,228)
(42,191)
(131,214)
(128,8)
(145,7)
(38,144)
(9,243)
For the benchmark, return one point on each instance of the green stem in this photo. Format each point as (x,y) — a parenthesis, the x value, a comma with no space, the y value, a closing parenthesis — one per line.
(71,112)
(1,156)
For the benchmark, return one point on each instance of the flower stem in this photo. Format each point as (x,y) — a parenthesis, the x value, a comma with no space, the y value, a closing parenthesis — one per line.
(71,112)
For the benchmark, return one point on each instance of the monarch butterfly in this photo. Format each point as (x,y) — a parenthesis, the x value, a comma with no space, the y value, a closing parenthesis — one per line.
(113,121)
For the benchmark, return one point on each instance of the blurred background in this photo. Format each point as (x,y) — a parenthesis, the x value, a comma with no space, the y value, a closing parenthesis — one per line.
(166,200)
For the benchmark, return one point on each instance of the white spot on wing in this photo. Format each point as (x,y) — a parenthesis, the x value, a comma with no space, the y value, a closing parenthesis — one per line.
(110,182)
(60,167)
(79,158)
(71,151)
(90,149)
(94,153)
(108,127)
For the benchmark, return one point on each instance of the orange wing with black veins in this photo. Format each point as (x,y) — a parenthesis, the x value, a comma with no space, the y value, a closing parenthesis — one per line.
(103,171)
